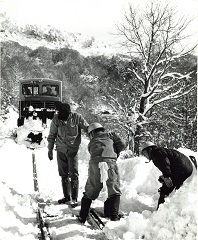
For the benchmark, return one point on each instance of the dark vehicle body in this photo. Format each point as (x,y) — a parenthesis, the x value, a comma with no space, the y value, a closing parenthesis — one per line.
(39,98)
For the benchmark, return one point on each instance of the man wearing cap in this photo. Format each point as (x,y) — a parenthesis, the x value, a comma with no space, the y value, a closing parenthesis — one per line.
(175,167)
(65,132)
(104,148)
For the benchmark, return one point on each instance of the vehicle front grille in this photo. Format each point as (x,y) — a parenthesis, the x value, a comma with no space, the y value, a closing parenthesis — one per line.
(50,105)
(36,104)
(39,104)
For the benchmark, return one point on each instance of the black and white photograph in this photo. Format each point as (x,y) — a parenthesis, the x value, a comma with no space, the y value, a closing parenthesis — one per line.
(98,119)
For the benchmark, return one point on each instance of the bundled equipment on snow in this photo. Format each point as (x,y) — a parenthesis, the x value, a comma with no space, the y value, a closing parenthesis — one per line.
(35,138)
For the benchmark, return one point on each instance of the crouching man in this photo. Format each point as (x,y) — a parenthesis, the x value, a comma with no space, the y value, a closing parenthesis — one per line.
(175,167)
(104,149)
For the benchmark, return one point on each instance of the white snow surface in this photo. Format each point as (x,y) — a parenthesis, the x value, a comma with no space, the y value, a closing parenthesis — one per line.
(175,219)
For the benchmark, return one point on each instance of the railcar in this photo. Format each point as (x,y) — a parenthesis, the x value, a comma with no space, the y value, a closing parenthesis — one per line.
(39,98)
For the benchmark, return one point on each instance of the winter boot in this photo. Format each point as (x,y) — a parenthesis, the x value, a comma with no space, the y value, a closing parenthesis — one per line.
(114,207)
(64,200)
(107,208)
(66,191)
(74,203)
(74,192)
(84,211)
(74,189)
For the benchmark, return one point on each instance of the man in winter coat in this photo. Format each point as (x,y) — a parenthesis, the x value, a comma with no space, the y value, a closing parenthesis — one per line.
(175,167)
(104,149)
(65,132)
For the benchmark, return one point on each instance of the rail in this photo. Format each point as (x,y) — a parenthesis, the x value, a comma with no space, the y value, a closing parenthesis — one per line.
(44,233)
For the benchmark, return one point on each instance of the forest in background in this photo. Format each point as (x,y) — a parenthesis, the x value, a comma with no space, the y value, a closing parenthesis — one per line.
(105,88)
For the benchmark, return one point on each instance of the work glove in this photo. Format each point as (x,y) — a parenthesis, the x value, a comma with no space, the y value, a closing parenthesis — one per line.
(164,191)
(166,180)
(50,154)
(161,200)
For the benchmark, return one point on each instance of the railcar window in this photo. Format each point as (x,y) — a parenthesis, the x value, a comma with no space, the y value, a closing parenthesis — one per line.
(27,89)
(50,90)
(36,90)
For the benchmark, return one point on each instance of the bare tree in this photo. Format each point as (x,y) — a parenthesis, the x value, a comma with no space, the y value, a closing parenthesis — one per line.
(121,102)
(157,36)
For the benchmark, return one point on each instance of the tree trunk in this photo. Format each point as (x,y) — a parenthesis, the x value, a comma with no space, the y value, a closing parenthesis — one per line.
(131,141)
(137,142)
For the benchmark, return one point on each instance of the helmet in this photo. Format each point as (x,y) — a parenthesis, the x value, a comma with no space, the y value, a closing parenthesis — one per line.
(146,145)
(94,126)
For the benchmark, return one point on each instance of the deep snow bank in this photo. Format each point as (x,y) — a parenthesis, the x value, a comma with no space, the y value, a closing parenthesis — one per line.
(175,219)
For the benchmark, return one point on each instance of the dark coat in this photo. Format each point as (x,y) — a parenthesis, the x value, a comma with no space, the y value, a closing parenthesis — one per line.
(172,164)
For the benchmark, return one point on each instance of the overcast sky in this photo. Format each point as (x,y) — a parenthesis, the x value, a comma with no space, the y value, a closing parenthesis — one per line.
(92,17)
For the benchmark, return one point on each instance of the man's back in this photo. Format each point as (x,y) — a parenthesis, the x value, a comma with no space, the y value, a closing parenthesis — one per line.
(105,145)
(165,158)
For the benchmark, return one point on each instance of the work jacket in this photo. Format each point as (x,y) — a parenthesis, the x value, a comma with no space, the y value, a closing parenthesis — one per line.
(171,163)
(66,134)
(104,146)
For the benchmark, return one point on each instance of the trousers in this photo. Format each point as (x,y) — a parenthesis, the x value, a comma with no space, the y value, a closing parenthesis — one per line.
(94,186)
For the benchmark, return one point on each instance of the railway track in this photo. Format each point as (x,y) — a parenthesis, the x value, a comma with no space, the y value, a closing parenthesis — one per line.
(45,232)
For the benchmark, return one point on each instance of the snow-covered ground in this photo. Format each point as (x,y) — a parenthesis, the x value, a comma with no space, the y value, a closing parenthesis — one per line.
(175,219)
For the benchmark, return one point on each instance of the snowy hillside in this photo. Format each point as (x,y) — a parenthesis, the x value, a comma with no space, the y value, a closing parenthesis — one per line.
(176,219)
(84,44)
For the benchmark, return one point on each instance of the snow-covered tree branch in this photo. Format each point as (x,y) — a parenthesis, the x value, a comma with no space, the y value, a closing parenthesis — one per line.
(156,33)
